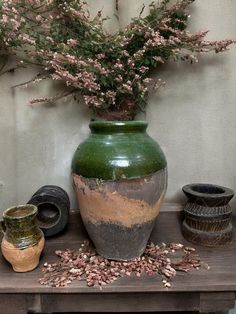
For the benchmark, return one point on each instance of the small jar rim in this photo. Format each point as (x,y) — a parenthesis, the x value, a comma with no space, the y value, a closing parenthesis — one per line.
(33,210)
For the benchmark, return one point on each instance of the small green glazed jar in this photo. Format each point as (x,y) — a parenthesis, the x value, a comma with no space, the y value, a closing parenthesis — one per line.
(23,241)
(120,176)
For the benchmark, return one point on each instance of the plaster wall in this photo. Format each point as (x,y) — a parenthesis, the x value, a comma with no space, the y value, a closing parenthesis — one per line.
(193,117)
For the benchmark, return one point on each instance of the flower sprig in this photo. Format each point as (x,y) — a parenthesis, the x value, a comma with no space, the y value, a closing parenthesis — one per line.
(111,73)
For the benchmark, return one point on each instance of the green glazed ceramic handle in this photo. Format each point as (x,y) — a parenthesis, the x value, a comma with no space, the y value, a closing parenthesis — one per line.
(2,226)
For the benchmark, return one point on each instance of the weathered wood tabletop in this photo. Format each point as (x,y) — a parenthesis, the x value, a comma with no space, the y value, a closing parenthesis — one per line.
(200,290)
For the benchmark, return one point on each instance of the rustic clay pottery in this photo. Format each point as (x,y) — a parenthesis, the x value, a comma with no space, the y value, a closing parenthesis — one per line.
(53,209)
(208,215)
(120,176)
(23,241)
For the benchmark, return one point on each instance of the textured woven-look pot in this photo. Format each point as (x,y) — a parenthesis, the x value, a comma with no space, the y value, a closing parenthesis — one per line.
(207,214)
(120,176)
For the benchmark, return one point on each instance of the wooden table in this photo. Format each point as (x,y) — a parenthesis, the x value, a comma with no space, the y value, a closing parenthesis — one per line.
(203,290)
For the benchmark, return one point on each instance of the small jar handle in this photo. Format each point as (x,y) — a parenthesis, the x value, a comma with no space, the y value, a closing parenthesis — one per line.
(2,226)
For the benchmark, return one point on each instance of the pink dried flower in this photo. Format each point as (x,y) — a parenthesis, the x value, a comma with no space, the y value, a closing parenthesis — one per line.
(72,42)
(96,270)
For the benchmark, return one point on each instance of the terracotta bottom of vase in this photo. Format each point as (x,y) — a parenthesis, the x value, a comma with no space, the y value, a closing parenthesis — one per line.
(120,215)
(22,260)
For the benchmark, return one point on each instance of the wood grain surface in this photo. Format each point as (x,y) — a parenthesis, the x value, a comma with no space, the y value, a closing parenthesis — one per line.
(199,290)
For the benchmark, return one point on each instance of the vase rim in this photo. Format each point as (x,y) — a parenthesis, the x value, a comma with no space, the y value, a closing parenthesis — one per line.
(117,122)
(116,126)
(20,212)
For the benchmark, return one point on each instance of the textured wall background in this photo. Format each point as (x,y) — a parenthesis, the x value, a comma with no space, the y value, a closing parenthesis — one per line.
(193,117)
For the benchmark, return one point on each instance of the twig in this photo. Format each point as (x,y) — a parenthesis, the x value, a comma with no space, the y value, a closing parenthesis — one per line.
(39,75)
(141,12)
(11,69)
(52,99)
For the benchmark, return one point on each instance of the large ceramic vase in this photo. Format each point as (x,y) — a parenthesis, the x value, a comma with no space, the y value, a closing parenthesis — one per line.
(120,176)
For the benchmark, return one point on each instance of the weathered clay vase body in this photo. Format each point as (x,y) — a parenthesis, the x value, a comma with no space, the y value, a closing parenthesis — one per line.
(23,241)
(120,176)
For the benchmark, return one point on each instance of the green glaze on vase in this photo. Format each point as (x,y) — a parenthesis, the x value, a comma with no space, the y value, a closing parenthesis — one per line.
(116,150)
(23,241)
(120,176)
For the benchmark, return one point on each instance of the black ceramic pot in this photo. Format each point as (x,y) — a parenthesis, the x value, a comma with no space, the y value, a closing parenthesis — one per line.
(53,209)
(207,214)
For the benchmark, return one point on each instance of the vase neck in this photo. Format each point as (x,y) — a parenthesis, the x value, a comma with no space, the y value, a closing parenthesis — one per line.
(108,127)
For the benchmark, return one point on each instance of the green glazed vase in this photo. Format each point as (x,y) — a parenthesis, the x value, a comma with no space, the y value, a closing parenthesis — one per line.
(120,177)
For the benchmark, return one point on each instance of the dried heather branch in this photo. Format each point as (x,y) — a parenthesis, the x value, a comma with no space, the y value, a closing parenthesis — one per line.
(106,70)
